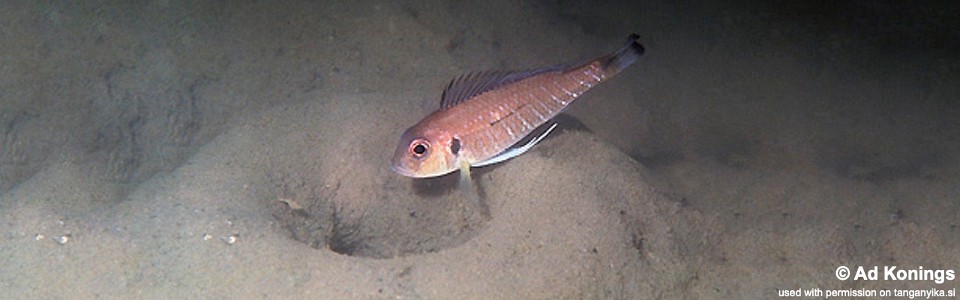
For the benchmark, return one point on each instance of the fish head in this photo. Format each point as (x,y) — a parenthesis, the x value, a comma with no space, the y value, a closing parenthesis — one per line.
(425,153)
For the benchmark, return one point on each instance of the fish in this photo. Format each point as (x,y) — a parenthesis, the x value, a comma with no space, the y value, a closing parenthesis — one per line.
(492,116)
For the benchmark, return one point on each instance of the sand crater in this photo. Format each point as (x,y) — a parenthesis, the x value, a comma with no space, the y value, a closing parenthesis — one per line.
(344,217)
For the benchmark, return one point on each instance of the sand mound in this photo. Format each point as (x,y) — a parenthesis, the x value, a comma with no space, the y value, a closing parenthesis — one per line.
(292,199)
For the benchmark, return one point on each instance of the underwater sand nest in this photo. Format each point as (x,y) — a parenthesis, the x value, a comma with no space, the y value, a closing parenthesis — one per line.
(399,224)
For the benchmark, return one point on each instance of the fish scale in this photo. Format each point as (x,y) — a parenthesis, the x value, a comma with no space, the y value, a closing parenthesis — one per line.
(483,116)
(534,100)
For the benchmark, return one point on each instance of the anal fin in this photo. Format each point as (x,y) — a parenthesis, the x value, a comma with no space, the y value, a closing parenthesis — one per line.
(516,151)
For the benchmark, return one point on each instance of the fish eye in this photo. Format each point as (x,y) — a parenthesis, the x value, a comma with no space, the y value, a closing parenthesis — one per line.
(419,148)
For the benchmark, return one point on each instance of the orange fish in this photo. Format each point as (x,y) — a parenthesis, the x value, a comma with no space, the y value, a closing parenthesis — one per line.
(489,117)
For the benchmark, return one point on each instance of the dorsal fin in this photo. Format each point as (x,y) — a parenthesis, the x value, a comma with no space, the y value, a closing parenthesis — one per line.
(472,84)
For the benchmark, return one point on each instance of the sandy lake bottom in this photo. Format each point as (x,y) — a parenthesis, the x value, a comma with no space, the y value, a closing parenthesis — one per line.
(171,149)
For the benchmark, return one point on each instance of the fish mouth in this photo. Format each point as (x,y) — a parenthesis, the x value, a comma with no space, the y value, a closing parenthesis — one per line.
(410,173)
(403,171)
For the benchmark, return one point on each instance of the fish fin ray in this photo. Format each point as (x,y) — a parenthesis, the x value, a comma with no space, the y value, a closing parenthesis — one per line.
(465,174)
(469,85)
(623,57)
(614,62)
(466,184)
(516,151)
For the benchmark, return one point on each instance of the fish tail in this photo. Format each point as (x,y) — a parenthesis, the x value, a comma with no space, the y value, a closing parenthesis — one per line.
(624,57)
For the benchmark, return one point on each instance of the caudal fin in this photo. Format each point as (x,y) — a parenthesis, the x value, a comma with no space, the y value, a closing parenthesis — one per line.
(623,58)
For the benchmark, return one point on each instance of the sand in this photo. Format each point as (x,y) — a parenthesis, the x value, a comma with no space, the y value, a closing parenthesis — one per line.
(240,150)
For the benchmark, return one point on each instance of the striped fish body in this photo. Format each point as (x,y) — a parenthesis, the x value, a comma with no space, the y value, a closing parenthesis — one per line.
(483,115)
